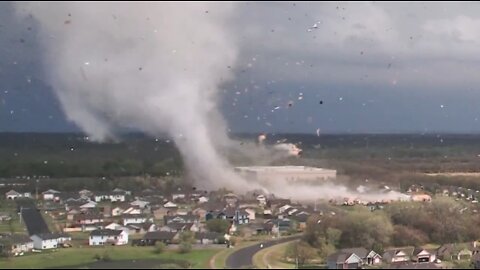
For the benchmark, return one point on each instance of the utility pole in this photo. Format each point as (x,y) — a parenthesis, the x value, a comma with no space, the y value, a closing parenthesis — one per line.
(36,190)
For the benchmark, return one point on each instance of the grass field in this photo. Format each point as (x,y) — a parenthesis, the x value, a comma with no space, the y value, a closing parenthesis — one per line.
(80,256)
(272,257)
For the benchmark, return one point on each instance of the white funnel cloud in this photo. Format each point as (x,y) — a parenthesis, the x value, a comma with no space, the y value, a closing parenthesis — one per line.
(153,67)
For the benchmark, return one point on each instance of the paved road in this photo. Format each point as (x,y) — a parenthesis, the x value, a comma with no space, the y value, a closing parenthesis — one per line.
(243,257)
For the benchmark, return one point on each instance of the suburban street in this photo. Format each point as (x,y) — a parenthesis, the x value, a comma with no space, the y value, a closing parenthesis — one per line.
(243,257)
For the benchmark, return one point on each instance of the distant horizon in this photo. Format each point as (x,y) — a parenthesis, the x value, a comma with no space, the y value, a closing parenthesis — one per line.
(257,133)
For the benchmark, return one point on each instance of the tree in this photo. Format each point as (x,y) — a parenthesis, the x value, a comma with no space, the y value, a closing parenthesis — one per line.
(185,247)
(186,241)
(159,247)
(218,225)
(333,236)
(406,236)
(301,252)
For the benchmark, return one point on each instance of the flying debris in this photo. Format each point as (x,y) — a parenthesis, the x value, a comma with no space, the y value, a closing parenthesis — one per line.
(321,102)
(291,148)
(261,138)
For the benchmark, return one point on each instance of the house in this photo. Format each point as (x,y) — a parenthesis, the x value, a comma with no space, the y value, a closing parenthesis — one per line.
(208,238)
(248,204)
(117,211)
(283,225)
(201,212)
(161,212)
(128,219)
(238,216)
(88,205)
(178,196)
(85,193)
(421,198)
(341,260)
(369,257)
(414,265)
(284,208)
(5,217)
(12,195)
(141,227)
(115,196)
(203,199)
(133,210)
(181,219)
(108,237)
(180,227)
(166,237)
(250,213)
(231,199)
(456,251)
(50,194)
(170,205)
(262,200)
(235,215)
(301,218)
(119,190)
(271,228)
(49,240)
(421,255)
(16,244)
(276,203)
(140,204)
(397,255)
(88,218)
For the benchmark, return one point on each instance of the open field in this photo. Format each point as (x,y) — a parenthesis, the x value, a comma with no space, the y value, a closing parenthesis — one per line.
(83,256)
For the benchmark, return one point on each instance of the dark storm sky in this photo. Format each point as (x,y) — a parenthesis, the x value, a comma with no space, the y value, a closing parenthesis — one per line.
(376,67)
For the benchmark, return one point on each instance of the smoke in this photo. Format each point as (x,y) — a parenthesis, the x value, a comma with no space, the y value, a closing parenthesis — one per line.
(153,67)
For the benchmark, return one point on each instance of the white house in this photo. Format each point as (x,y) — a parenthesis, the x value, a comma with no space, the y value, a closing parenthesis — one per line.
(19,244)
(284,208)
(203,199)
(50,194)
(12,195)
(141,204)
(108,237)
(88,205)
(178,196)
(170,205)
(116,226)
(44,241)
(251,213)
(117,211)
(128,219)
(117,197)
(133,210)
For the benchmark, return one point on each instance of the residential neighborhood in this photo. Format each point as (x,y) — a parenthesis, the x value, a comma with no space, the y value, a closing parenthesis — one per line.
(145,218)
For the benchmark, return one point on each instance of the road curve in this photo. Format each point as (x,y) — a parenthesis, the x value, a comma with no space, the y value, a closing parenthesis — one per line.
(243,258)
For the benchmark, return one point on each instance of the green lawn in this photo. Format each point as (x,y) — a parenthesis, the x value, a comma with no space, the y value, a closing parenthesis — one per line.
(79,256)
(272,257)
